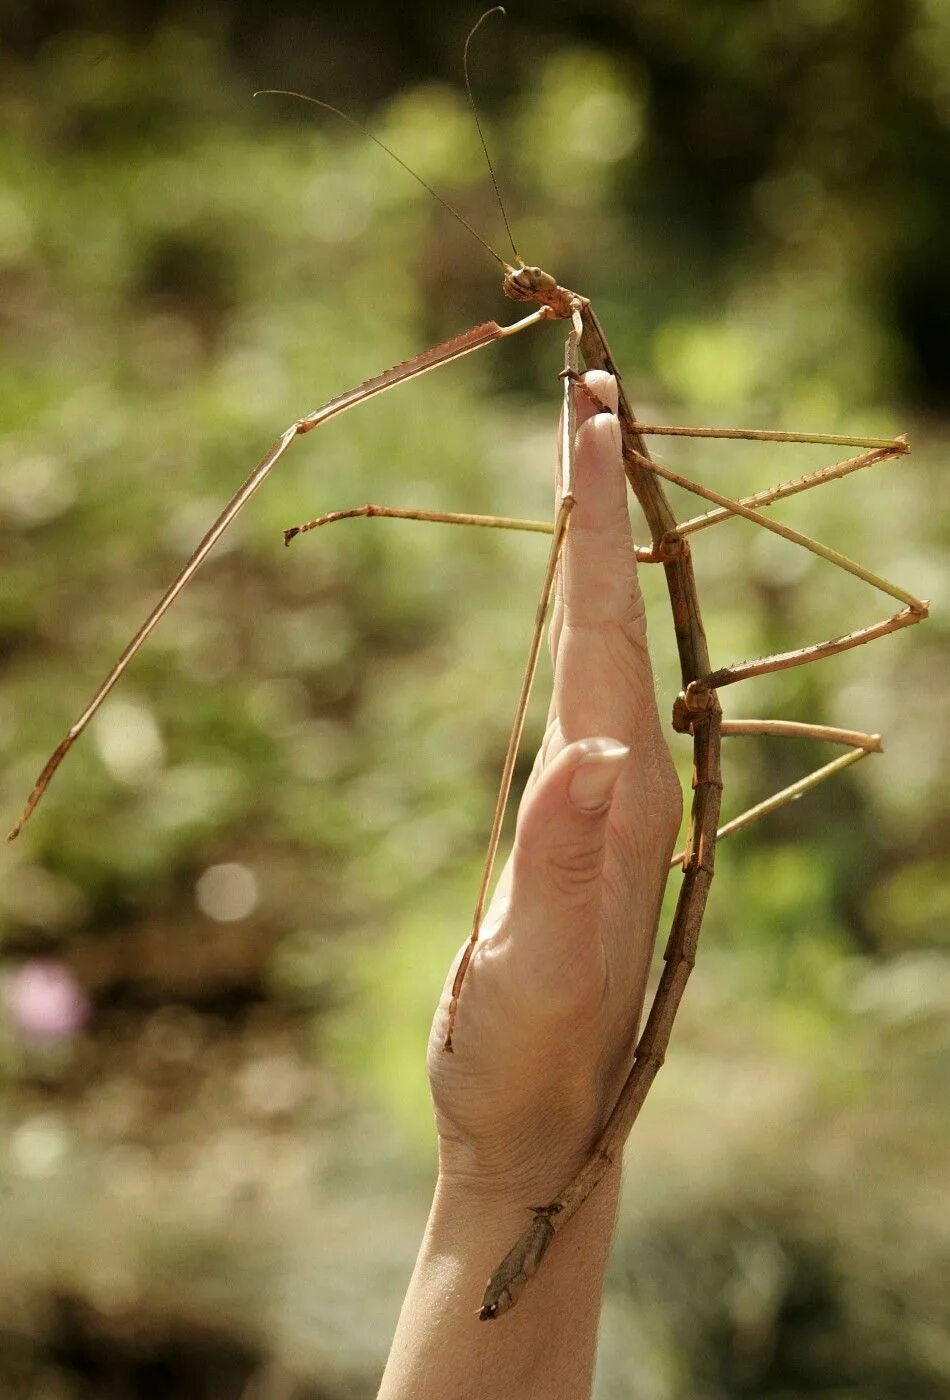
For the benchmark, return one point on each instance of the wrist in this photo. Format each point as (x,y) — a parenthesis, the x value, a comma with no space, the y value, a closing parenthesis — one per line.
(526,1148)
(475,1223)
(543,1347)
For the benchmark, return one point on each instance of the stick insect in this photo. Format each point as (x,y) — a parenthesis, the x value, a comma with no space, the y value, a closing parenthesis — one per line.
(696,711)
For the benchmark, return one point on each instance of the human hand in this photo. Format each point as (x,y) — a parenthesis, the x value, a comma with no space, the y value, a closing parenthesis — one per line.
(549,1009)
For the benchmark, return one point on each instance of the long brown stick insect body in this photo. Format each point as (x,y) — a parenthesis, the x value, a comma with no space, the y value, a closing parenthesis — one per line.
(696,710)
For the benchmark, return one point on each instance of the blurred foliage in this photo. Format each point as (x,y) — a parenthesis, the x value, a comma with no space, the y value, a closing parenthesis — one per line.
(260,861)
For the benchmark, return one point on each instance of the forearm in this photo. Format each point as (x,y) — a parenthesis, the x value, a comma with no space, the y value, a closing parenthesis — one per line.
(542,1348)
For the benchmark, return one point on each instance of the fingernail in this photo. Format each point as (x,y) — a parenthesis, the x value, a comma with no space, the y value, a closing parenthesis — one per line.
(603,387)
(596,773)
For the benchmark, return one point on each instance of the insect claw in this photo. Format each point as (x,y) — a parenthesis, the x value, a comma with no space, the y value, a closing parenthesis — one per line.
(576,378)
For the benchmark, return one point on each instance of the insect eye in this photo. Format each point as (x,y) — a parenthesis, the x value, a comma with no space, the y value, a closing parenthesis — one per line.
(540,279)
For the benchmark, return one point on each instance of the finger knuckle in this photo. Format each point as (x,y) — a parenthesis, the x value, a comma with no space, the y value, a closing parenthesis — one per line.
(633,617)
(628,620)
(572,868)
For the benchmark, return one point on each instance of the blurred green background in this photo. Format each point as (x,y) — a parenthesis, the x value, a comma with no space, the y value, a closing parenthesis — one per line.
(223,935)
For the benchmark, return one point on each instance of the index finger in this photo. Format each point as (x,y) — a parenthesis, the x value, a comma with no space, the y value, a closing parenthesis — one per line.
(603,676)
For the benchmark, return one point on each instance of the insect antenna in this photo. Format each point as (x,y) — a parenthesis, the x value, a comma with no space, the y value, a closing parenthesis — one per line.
(498,10)
(345,116)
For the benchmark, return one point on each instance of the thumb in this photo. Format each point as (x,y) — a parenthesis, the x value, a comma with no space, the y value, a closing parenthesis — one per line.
(558,858)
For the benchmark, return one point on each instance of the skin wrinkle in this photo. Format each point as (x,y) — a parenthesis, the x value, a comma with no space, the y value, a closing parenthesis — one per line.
(631,625)
(567,867)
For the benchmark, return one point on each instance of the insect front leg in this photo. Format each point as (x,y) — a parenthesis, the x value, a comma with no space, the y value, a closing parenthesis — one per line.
(440,517)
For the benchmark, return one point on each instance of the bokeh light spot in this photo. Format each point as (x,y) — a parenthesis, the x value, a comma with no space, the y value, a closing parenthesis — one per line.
(227,892)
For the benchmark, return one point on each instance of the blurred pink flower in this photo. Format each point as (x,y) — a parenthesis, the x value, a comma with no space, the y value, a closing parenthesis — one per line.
(45,1001)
